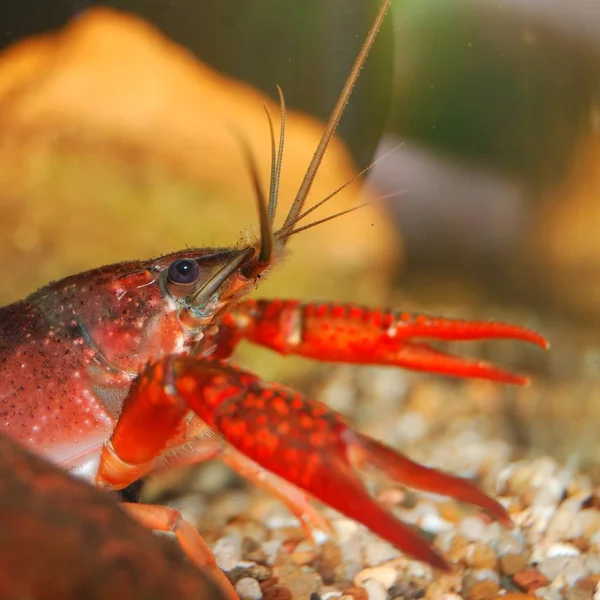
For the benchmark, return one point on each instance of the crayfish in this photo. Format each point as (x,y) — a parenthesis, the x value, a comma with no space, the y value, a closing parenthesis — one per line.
(124,371)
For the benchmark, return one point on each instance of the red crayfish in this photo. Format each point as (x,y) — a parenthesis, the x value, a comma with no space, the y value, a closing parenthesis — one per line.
(122,371)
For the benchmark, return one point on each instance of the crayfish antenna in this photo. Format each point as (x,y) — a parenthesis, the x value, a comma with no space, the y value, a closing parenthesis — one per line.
(276,156)
(332,123)
(266,232)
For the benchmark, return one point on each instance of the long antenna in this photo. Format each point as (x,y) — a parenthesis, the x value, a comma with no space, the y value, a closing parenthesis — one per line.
(334,120)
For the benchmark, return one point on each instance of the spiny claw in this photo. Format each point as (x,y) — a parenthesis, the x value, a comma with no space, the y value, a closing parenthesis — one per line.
(366,450)
(421,357)
(311,446)
(354,334)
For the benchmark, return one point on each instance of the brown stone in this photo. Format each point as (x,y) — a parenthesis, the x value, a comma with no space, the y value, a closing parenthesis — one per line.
(513,563)
(483,590)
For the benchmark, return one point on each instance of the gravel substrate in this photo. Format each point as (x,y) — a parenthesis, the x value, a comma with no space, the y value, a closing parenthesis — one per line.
(552,552)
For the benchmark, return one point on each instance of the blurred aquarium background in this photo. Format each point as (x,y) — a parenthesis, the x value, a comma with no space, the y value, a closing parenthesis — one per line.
(491,111)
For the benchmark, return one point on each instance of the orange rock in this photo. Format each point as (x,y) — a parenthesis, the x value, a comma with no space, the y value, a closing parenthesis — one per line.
(530,579)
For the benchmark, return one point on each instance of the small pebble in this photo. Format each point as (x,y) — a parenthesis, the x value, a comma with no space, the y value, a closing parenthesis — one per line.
(277,592)
(248,589)
(301,583)
(472,528)
(578,594)
(483,590)
(509,543)
(571,568)
(592,563)
(375,590)
(384,575)
(530,579)
(355,593)
(481,556)
(561,549)
(548,593)
(379,551)
(513,563)
(228,552)
(271,550)
(304,553)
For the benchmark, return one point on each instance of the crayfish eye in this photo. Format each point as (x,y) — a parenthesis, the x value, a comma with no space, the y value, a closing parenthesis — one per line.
(184,272)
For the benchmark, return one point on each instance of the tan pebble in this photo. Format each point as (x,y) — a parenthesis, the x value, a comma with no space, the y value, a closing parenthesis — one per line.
(581,543)
(458,548)
(289,534)
(302,583)
(530,579)
(378,551)
(328,561)
(449,511)
(481,556)
(574,593)
(386,576)
(513,563)
(483,590)
(589,583)
(251,550)
(304,553)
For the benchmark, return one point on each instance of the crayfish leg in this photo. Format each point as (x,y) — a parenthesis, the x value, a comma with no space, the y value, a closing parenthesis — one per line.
(163,518)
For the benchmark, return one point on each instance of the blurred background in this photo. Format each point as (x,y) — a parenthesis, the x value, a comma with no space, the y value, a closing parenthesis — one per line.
(486,203)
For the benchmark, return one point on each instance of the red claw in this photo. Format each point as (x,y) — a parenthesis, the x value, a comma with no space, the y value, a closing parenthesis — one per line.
(311,446)
(354,334)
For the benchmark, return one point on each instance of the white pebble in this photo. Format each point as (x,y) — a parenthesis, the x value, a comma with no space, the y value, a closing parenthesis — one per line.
(562,523)
(548,593)
(228,552)
(569,568)
(418,570)
(562,549)
(375,590)
(271,549)
(444,540)
(483,575)
(592,563)
(412,426)
(435,524)
(378,551)
(385,575)
(472,528)
(248,589)
(345,529)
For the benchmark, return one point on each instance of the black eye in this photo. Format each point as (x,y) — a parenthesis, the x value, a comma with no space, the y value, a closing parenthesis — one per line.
(184,271)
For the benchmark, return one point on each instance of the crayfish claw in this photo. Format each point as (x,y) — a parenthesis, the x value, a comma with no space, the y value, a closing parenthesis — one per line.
(421,357)
(367,451)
